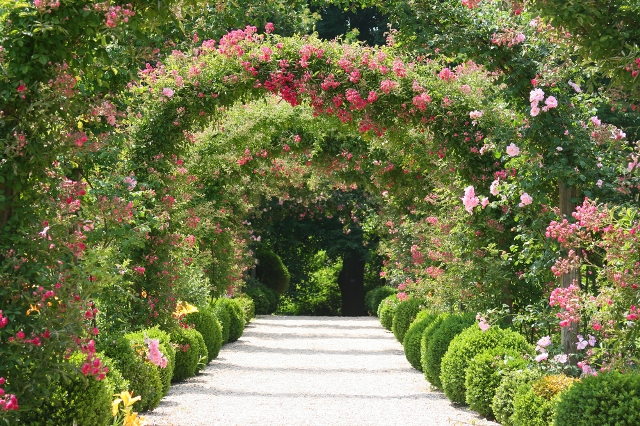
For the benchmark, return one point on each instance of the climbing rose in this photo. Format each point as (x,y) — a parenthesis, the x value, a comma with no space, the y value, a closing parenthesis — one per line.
(551,102)
(536,95)
(525,200)
(513,150)
(493,189)
(167,92)
(470,200)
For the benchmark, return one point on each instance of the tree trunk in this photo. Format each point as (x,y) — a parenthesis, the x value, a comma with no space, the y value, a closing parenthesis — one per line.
(351,282)
(569,333)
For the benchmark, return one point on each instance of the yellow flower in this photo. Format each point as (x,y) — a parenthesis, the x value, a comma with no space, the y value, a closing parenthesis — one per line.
(184,308)
(132,419)
(115,406)
(32,308)
(127,399)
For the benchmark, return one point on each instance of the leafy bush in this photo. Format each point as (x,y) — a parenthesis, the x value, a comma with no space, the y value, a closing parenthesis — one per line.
(468,344)
(144,377)
(406,312)
(484,373)
(413,337)
(264,299)
(607,399)
(223,316)
(248,307)
(271,271)
(386,310)
(137,341)
(236,317)
(502,403)
(435,342)
(191,352)
(535,405)
(207,324)
(373,298)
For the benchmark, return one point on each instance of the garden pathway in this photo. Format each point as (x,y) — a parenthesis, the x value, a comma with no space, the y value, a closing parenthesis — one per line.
(310,371)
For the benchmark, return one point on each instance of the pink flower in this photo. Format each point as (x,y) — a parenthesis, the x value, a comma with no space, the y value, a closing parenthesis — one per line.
(485,202)
(513,150)
(561,358)
(493,189)
(269,27)
(581,344)
(536,95)
(544,342)
(470,200)
(525,200)
(599,183)
(535,111)
(596,121)
(543,356)
(551,102)
(167,92)
(483,325)
(474,115)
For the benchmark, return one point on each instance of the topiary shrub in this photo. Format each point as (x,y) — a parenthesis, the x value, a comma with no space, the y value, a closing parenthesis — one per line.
(144,377)
(404,315)
(248,307)
(468,344)
(386,310)
(191,352)
(607,399)
(502,403)
(207,324)
(271,271)
(535,405)
(137,341)
(373,298)
(484,373)
(264,299)
(236,317)
(223,316)
(436,339)
(413,337)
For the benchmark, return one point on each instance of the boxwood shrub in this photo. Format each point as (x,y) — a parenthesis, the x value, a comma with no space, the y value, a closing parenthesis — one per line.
(484,373)
(220,312)
(271,271)
(413,337)
(386,311)
(535,405)
(607,399)
(468,344)
(191,352)
(502,403)
(137,340)
(373,298)
(248,307)
(236,317)
(207,324)
(435,342)
(404,315)
(265,300)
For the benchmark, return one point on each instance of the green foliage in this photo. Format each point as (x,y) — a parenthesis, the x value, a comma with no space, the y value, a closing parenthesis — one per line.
(144,377)
(386,311)
(502,403)
(484,374)
(264,299)
(468,344)
(191,352)
(137,341)
(610,398)
(413,337)
(210,329)
(222,314)
(536,404)
(373,298)
(248,307)
(271,271)
(236,317)
(405,313)
(435,343)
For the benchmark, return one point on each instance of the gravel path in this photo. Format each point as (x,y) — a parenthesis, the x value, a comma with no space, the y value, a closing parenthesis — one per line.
(310,371)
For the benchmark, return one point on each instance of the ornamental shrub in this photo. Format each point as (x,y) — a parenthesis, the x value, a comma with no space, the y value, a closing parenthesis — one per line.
(373,298)
(236,317)
(413,337)
(264,299)
(468,344)
(406,312)
(386,310)
(607,399)
(271,271)
(191,352)
(207,324)
(223,316)
(535,405)
(248,307)
(137,341)
(144,377)
(484,373)
(435,342)
(502,403)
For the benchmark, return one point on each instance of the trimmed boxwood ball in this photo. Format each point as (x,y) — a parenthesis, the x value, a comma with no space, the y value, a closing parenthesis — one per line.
(204,321)
(502,403)
(435,342)
(191,352)
(406,312)
(535,404)
(386,310)
(236,317)
(248,307)
(413,337)
(607,399)
(137,341)
(271,271)
(223,316)
(484,373)
(468,344)
(144,377)
(373,298)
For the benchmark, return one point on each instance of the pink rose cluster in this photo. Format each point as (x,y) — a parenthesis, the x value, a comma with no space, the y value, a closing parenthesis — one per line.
(155,356)
(7,402)
(536,96)
(470,200)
